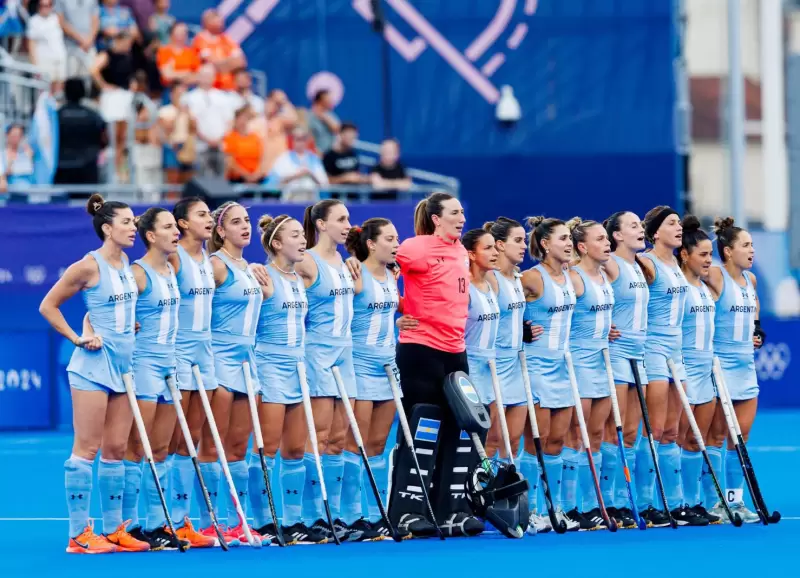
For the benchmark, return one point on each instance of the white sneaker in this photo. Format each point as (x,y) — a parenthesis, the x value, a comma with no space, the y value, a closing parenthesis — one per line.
(572,525)
(538,524)
(718,510)
(746,515)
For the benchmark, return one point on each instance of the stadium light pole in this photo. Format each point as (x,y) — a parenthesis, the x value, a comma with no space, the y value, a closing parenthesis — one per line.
(379,25)
(736,113)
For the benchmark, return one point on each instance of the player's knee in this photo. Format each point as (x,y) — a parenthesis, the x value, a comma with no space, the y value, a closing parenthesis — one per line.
(160,453)
(115,451)
(554,445)
(669,436)
(87,451)
(375,448)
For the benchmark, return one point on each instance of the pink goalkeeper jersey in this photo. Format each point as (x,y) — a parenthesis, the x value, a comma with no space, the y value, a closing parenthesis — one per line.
(436,281)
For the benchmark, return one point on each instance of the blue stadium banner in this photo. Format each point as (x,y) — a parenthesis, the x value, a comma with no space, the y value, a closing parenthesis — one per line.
(778,373)
(25,388)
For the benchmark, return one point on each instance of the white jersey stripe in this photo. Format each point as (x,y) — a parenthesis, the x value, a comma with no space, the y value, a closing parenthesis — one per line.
(118,286)
(338,303)
(164,317)
(376,317)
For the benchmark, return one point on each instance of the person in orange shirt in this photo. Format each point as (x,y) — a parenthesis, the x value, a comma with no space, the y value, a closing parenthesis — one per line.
(214,46)
(244,151)
(177,61)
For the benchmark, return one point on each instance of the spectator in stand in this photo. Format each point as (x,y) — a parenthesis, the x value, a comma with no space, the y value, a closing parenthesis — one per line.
(322,122)
(244,95)
(298,172)
(147,153)
(3,181)
(18,157)
(46,45)
(212,111)
(80,21)
(389,175)
(215,47)
(341,162)
(176,60)
(115,19)
(81,137)
(161,22)
(178,135)
(275,126)
(244,151)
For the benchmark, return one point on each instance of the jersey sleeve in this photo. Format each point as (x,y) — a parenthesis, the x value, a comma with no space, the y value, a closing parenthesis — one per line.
(411,255)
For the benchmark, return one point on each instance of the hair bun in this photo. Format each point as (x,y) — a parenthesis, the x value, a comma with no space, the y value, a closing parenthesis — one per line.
(358,229)
(573,223)
(94,204)
(487,226)
(722,223)
(533,222)
(690,224)
(264,222)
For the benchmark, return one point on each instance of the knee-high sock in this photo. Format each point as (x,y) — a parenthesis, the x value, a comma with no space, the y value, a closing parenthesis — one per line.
(130,494)
(710,496)
(350,510)
(608,472)
(312,495)
(734,478)
(240,477)
(293,479)
(380,471)
(669,460)
(645,474)
(333,470)
(569,479)
(529,468)
(691,470)
(257,489)
(554,467)
(586,480)
(211,474)
(155,512)
(111,483)
(78,486)
(621,497)
(181,474)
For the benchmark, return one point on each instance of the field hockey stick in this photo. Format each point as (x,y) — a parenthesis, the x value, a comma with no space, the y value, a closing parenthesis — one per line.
(187,435)
(312,436)
(148,453)
(501,410)
(735,519)
(223,461)
(251,401)
(612,388)
(401,416)
(610,522)
(351,417)
(649,431)
(558,526)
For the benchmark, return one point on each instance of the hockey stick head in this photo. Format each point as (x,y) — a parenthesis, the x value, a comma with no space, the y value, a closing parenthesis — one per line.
(500,498)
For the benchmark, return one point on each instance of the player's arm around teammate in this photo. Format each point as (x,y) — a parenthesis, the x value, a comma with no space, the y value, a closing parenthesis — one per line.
(101,412)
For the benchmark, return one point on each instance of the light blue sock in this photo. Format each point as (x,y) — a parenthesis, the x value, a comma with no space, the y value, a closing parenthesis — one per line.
(351,487)
(240,477)
(130,495)
(111,483)
(333,470)
(380,471)
(78,486)
(734,478)
(554,468)
(155,513)
(608,473)
(621,498)
(181,473)
(669,459)
(293,479)
(312,494)
(211,473)
(588,492)
(569,487)
(529,468)
(710,497)
(257,490)
(691,470)
(645,474)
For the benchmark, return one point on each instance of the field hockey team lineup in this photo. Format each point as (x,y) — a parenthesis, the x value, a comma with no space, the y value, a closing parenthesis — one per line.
(610,386)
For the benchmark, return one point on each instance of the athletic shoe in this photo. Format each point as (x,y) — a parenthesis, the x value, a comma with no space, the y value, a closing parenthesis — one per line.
(162,539)
(238,531)
(321,527)
(595,518)
(347,532)
(685,516)
(187,533)
(231,539)
(417,525)
(460,524)
(269,534)
(365,532)
(701,511)
(299,533)
(538,524)
(125,542)
(746,515)
(572,526)
(583,523)
(381,528)
(623,517)
(655,518)
(87,542)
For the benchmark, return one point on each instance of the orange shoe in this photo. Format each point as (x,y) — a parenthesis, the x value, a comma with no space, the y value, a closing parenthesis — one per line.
(195,538)
(90,543)
(231,539)
(125,542)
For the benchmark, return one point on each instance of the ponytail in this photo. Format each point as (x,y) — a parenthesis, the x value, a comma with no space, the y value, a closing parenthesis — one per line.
(314,213)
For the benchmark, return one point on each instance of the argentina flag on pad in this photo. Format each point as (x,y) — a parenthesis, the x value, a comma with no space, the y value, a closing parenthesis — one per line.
(427,430)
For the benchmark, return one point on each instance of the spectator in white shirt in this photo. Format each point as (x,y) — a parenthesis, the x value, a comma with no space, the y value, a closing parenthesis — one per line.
(244,95)
(298,172)
(46,44)
(212,111)
(18,157)
(80,20)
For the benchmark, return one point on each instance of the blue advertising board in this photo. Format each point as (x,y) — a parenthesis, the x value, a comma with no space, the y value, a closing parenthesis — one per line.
(25,380)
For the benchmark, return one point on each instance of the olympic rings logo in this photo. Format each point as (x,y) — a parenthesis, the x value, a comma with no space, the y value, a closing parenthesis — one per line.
(772,360)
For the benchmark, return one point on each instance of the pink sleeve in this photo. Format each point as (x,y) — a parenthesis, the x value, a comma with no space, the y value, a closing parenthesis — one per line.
(411,255)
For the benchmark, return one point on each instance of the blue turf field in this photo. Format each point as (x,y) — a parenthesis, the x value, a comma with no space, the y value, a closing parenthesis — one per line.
(33,527)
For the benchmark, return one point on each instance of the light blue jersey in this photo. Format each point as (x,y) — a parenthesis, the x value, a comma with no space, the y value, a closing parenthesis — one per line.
(483,319)
(511,300)
(112,312)
(631,297)
(330,305)
(236,305)
(157,314)
(698,319)
(735,316)
(196,283)
(281,324)
(373,335)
